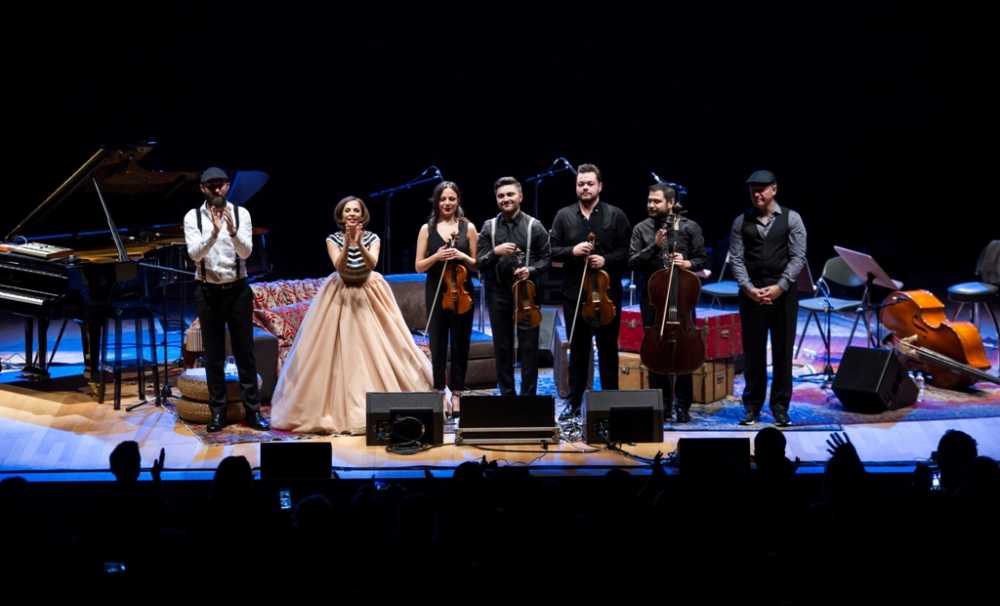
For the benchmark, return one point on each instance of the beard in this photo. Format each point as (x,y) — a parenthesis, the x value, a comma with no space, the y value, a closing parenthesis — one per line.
(216,201)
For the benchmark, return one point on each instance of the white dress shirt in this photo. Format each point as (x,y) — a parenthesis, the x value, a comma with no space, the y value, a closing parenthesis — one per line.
(219,252)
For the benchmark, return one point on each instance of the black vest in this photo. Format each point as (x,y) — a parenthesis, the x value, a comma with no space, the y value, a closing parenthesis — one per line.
(766,257)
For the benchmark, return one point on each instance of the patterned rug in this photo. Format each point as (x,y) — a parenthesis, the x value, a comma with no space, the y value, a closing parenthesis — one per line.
(236,433)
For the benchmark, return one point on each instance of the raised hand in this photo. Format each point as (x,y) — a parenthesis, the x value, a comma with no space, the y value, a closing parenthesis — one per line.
(158,465)
(839,445)
(230,223)
(216,222)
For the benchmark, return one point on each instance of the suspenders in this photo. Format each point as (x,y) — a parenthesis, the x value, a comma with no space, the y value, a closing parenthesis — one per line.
(493,235)
(197,214)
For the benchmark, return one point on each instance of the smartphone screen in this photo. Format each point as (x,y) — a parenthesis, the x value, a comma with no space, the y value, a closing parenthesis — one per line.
(285,498)
(935,479)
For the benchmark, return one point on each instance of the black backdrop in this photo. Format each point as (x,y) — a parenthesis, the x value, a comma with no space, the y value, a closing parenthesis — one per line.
(878,118)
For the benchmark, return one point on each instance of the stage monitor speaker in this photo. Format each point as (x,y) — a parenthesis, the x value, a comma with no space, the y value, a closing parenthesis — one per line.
(507,420)
(393,417)
(873,381)
(623,416)
(295,460)
(714,458)
(548,339)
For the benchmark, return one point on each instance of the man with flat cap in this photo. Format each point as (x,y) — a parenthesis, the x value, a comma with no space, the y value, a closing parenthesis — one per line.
(218,238)
(767,249)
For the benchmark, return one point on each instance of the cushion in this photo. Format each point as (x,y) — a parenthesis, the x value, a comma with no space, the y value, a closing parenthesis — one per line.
(969,292)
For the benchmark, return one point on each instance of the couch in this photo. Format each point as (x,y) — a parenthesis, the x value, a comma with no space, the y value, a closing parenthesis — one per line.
(280,306)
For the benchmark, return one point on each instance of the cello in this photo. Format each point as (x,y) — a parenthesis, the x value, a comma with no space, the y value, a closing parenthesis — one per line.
(950,352)
(597,309)
(673,345)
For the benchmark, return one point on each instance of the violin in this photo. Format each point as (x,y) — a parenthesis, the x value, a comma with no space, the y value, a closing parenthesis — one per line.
(526,311)
(456,297)
(950,352)
(597,310)
(673,345)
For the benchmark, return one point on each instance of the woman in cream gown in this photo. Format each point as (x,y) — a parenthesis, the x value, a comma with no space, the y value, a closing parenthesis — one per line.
(353,340)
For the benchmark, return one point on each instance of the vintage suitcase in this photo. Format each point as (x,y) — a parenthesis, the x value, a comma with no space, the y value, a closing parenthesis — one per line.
(721,331)
(631,331)
(713,381)
(631,373)
(723,334)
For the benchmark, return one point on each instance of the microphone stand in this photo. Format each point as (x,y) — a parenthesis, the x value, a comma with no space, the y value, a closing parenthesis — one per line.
(388,194)
(559,165)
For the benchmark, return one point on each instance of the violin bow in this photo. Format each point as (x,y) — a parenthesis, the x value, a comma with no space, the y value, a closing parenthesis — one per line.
(579,296)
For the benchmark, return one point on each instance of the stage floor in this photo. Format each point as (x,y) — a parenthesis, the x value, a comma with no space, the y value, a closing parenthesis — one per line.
(58,429)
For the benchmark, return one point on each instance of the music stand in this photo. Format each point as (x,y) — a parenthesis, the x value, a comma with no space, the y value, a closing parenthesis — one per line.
(865,267)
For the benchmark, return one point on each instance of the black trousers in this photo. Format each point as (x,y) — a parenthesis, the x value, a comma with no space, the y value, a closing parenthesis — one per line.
(779,319)
(579,352)
(501,306)
(219,307)
(677,389)
(447,325)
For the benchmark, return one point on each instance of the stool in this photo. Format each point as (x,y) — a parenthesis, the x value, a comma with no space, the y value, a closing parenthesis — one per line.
(137,312)
(975,294)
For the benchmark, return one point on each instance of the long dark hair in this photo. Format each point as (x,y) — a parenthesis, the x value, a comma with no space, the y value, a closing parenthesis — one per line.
(432,220)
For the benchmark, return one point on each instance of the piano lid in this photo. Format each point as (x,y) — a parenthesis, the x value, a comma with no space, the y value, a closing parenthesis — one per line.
(119,175)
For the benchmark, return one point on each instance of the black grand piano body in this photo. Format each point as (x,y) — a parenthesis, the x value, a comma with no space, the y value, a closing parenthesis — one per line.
(104,263)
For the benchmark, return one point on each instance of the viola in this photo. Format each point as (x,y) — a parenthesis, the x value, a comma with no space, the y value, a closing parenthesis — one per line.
(526,311)
(673,345)
(950,352)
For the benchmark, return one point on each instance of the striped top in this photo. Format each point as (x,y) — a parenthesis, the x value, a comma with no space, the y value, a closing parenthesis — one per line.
(356,272)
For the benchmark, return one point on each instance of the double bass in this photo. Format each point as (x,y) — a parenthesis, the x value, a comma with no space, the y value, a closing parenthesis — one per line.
(593,302)
(673,345)
(950,352)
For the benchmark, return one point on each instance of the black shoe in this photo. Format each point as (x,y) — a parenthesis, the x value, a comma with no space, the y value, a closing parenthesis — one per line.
(683,416)
(257,421)
(218,421)
(750,417)
(781,419)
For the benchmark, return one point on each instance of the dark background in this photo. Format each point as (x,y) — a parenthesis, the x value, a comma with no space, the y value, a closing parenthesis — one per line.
(878,118)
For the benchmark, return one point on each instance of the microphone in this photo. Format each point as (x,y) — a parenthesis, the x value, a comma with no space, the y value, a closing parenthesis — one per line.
(566,164)
(434,171)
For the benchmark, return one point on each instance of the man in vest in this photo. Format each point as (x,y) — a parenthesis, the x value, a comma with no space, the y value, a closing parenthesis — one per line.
(512,246)
(767,249)
(218,238)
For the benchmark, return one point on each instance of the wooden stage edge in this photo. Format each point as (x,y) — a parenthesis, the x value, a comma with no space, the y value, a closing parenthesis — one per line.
(48,431)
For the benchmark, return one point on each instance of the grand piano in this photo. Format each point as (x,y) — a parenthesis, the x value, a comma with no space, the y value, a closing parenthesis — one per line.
(92,261)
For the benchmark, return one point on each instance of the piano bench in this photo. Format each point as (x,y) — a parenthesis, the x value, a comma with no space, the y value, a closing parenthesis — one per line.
(140,314)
